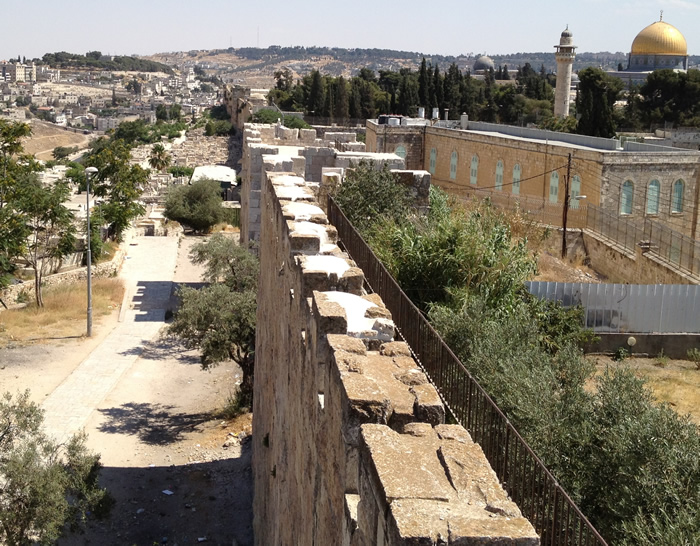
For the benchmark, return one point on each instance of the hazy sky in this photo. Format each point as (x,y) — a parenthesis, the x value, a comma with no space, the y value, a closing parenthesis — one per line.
(433,27)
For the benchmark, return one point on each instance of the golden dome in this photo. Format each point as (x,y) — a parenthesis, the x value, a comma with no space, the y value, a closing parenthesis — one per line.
(660,38)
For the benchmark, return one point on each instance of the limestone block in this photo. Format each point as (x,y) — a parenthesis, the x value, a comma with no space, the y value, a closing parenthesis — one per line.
(307,135)
(304,243)
(395,348)
(330,316)
(285,133)
(346,344)
(428,406)
(267,132)
(340,137)
(303,211)
(389,454)
(352,147)
(452,495)
(299,165)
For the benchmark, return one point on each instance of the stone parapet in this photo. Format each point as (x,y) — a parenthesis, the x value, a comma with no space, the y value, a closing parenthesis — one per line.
(349,441)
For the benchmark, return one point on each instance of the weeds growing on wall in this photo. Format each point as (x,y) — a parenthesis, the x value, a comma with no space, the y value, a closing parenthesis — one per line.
(631,465)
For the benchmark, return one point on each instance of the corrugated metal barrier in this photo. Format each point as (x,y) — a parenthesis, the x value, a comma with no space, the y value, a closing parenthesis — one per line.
(629,308)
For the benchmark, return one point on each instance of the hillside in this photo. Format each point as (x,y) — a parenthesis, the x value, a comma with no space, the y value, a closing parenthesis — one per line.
(256,66)
(47,136)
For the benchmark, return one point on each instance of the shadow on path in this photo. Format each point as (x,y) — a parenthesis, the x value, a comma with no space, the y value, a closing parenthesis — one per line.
(211,500)
(164,347)
(154,424)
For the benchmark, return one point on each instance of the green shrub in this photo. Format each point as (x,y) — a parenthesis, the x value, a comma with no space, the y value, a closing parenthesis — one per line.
(271,116)
(620,354)
(694,356)
(197,206)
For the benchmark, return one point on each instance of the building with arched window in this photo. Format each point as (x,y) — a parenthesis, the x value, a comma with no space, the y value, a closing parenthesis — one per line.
(659,182)
(453,165)
(626,197)
(677,197)
(653,191)
(575,192)
(474,170)
(499,176)
(433,160)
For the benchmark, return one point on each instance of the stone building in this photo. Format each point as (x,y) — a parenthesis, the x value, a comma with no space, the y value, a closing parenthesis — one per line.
(627,179)
(657,46)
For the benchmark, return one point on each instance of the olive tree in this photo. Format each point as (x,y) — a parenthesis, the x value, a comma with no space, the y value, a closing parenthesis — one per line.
(219,319)
(47,487)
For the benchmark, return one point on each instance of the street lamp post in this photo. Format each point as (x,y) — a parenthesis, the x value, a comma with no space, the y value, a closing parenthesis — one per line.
(90,171)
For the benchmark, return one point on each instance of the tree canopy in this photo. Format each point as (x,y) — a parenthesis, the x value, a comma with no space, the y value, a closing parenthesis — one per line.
(197,206)
(47,487)
(595,102)
(629,463)
(219,319)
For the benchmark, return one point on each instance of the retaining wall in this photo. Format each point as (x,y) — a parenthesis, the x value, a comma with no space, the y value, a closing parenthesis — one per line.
(349,441)
(105,269)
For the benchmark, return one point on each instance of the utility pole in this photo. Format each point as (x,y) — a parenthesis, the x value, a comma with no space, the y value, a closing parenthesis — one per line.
(90,171)
(566,207)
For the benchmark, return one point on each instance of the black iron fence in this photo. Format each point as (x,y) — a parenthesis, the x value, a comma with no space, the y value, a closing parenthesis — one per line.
(528,482)
(671,246)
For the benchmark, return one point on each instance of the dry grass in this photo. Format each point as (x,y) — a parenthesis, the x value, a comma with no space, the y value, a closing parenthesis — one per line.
(63,315)
(676,382)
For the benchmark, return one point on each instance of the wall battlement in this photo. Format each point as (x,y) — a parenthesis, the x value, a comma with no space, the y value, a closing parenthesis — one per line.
(349,441)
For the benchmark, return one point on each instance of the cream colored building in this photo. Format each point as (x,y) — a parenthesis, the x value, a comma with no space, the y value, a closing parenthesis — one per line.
(627,179)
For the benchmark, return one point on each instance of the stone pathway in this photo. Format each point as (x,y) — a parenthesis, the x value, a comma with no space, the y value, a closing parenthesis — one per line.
(148,273)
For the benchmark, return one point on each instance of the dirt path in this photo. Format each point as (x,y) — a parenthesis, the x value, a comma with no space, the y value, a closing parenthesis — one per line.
(156,432)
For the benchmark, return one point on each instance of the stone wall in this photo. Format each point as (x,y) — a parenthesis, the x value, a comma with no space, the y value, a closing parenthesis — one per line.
(275,148)
(349,441)
(388,139)
(621,265)
(105,269)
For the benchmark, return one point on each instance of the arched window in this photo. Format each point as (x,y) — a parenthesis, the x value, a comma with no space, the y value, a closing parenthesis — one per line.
(575,192)
(433,160)
(453,165)
(499,175)
(626,195)
(401,152)
(653,197)
(516,180)
(677,196)
(474,171)
(554,187)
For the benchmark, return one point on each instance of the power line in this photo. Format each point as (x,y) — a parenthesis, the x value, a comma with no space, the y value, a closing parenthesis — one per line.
(477,187)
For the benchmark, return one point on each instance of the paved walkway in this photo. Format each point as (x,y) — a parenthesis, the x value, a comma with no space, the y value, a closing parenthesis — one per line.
(148,273)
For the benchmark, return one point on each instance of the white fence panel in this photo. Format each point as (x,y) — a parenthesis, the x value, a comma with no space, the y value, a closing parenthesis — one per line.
(628,308)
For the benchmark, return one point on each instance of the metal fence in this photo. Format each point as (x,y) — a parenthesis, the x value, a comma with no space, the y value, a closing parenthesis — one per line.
(671,246)
(678,250)
(628,308)
(523,475)
(674,248)
(537,209)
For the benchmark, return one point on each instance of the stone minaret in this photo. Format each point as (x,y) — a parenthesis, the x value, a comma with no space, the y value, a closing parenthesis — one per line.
(565,54)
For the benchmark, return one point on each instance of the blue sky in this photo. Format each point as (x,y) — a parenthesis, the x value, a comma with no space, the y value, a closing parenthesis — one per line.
(434,27)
